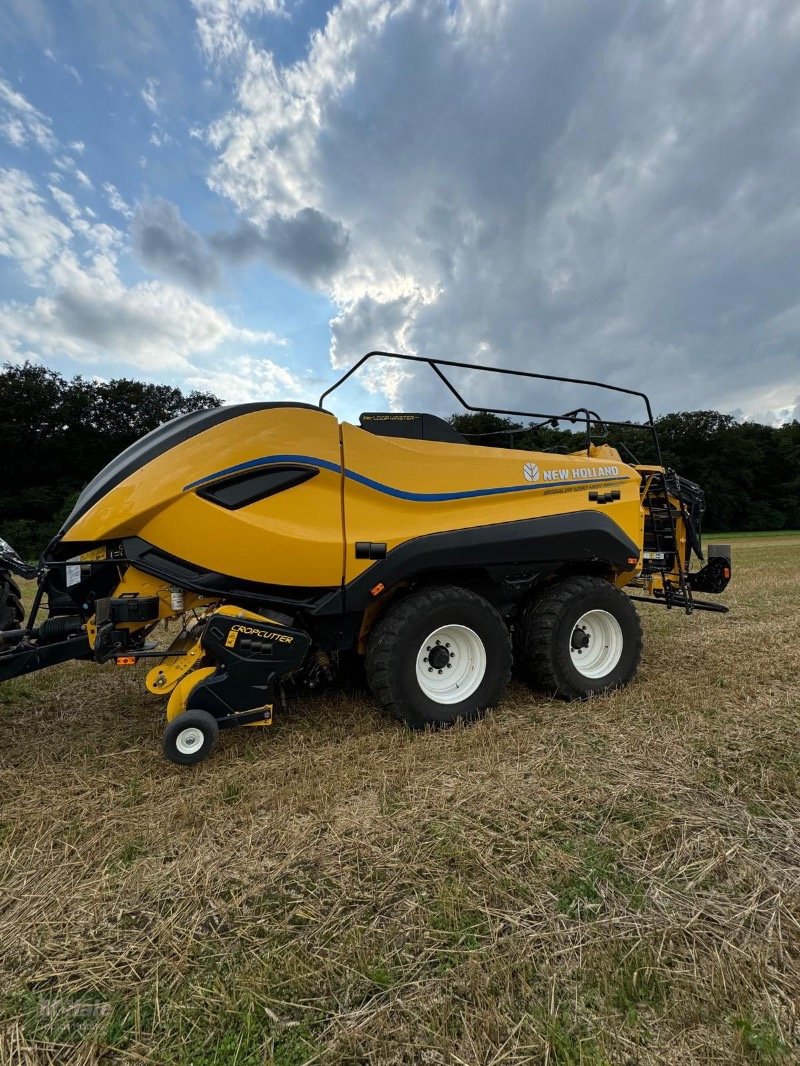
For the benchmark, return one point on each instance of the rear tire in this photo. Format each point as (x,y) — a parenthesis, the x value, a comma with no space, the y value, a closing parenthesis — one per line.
(12,613)
(581,636)
(441,655)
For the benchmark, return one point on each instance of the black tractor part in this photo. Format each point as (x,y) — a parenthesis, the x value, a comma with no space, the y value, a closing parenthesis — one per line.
(251,656)
(716,574)
(12,613)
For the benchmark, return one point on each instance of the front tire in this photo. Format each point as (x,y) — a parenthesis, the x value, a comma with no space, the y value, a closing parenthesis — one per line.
(580,637)
(440,655)
(190,737)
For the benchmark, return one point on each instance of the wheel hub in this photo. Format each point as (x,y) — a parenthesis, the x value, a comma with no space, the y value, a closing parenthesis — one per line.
(439,656)
(451,664)
(189,740)
(580,639)
(596,644)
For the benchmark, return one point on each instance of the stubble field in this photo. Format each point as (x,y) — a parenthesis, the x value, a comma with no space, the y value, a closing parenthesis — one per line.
(610,882)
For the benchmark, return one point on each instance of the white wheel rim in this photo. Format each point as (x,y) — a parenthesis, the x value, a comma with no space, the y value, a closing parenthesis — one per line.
(189,740)
(596,644)
(451,664)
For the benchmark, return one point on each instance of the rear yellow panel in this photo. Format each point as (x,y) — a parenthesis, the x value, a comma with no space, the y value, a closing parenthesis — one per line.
(414,483)
(291,538)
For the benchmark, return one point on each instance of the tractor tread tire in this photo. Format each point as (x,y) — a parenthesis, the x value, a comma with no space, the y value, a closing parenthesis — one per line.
(546,657)
(390,638)
(12,613)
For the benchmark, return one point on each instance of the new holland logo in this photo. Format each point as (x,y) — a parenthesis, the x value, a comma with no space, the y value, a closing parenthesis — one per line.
(576,473)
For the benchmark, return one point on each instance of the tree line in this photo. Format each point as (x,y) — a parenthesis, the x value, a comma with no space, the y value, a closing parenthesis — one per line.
(58,433)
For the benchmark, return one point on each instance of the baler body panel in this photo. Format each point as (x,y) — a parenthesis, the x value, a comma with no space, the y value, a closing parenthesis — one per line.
(397,490)
(292,537)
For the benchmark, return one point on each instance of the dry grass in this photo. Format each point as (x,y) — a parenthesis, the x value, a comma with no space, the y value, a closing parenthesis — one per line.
(614,882)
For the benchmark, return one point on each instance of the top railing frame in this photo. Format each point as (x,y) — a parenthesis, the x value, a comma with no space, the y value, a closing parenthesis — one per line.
(582,415)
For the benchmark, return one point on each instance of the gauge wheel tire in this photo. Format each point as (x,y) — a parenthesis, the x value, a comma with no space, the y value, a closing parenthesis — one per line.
(580,637)
(190,737)
(439,656)
(12,613)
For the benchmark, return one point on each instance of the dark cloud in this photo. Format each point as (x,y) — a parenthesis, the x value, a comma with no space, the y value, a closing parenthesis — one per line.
(169,246)
(605,189)
(307,245)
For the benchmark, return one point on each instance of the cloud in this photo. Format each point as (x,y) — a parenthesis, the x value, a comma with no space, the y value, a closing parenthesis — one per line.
(29,234)
(220,23)
(83,309)
(152,326)
(148,94)
(115,200)
(246,378)
(73,73)
(167,245)
(605,190)
(307,245)
(21,123)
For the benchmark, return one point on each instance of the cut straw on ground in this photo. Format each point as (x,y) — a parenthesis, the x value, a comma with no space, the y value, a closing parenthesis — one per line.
(608,882)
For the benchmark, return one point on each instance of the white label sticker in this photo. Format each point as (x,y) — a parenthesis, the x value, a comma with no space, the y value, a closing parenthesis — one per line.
(73,571)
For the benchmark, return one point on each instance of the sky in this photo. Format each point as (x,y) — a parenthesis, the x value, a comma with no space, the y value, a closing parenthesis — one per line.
(244,196)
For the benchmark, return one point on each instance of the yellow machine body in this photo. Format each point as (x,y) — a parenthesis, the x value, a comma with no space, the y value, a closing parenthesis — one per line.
(366,489)
(293,537)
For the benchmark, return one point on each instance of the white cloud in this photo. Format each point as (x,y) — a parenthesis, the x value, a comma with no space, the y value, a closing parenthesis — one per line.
(605,190)
(93,317)
(220,23)
(246,378)
(21,123)
(84,309)
(148,94)
(78,147)
(84,180)
(115,200)
(29,234)
(67,165)
(66,202)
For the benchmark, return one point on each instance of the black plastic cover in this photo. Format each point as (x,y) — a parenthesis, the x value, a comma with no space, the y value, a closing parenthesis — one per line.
(253,485)
(410,427)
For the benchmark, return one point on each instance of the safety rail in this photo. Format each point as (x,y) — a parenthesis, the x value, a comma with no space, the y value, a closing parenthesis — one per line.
(580,415)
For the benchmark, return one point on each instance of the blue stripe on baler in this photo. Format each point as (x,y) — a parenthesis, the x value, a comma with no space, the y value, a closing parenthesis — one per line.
(378,486)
